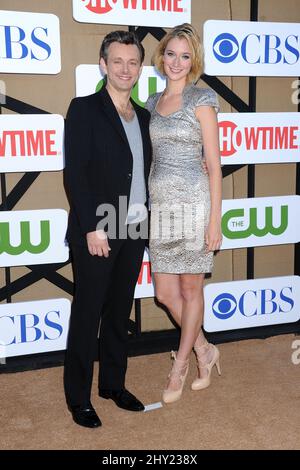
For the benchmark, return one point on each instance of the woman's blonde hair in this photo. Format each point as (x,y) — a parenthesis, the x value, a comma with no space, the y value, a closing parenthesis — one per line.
(182,31)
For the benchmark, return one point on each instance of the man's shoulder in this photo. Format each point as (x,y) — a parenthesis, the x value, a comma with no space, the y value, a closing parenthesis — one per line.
(86,100)
(83,104)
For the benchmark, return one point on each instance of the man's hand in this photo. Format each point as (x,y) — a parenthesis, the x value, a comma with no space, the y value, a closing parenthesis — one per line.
(98,244)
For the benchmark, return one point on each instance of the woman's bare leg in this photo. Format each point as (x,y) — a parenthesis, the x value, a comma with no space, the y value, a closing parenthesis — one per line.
(168,291)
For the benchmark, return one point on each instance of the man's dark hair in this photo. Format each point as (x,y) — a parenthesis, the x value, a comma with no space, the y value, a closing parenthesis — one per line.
(122,37)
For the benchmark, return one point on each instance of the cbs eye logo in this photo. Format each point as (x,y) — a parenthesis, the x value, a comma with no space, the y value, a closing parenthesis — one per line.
(225,48)
(224,306)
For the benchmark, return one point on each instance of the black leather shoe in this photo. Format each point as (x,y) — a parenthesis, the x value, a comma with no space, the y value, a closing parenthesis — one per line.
(123,399)
(85,415)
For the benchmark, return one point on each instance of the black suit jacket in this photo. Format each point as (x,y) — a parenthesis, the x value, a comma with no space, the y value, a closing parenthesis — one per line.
(98,160)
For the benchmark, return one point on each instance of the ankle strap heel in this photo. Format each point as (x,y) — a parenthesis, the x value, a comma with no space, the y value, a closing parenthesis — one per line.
(205,368)
(179,371)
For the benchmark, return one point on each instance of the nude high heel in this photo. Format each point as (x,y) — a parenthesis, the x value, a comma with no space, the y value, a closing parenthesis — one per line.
(179,370)
(201,383)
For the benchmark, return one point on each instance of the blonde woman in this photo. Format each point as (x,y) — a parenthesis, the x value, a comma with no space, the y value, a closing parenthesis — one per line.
(185,200)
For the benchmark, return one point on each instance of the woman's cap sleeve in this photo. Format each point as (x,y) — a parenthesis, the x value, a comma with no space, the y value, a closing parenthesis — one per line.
(208,97)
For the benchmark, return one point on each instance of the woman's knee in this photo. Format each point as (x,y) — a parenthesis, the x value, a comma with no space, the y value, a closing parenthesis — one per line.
(191,292)
(162,296)
(166,297)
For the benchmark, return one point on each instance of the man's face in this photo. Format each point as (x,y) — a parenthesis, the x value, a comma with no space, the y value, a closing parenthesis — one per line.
(123,66)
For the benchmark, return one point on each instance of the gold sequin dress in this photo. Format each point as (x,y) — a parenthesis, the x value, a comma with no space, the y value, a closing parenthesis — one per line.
(179,187)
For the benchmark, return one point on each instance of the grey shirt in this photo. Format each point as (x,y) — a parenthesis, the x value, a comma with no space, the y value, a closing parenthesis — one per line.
(136,207)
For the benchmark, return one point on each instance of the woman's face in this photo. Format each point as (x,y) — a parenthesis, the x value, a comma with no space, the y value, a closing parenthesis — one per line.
(177,59)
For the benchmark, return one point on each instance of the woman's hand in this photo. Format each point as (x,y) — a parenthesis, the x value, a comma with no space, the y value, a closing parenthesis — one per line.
(213,236)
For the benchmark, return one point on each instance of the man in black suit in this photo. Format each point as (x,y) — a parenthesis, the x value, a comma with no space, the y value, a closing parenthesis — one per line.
(108,153)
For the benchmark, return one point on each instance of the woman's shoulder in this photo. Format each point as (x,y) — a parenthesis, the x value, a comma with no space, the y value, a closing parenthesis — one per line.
(199,96)
(200,92)
(151,101)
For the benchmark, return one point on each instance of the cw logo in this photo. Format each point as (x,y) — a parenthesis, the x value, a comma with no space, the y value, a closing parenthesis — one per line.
(231,216)
(25,244)
(152,88)
(99,6)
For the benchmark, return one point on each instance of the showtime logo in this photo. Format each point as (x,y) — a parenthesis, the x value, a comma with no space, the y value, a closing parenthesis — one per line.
(138,12)
(259,138)
(104,6)
(100,6)
(254,138)
(28,143)
(31,143)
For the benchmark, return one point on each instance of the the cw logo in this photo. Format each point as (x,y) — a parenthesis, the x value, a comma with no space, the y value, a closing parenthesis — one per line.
(152,88)
(99,6)
(252,228)
(25,243)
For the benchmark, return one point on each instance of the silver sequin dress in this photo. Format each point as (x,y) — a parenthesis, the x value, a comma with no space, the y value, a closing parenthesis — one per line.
(178,186)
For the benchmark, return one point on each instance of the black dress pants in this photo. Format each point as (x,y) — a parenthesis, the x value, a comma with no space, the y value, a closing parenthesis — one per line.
(104,290)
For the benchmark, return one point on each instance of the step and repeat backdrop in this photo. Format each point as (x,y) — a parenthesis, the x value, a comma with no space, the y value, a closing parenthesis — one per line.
(30,44)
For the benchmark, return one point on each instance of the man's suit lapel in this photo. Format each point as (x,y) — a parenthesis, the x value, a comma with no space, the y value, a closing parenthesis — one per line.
(145,133)
(108,107)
